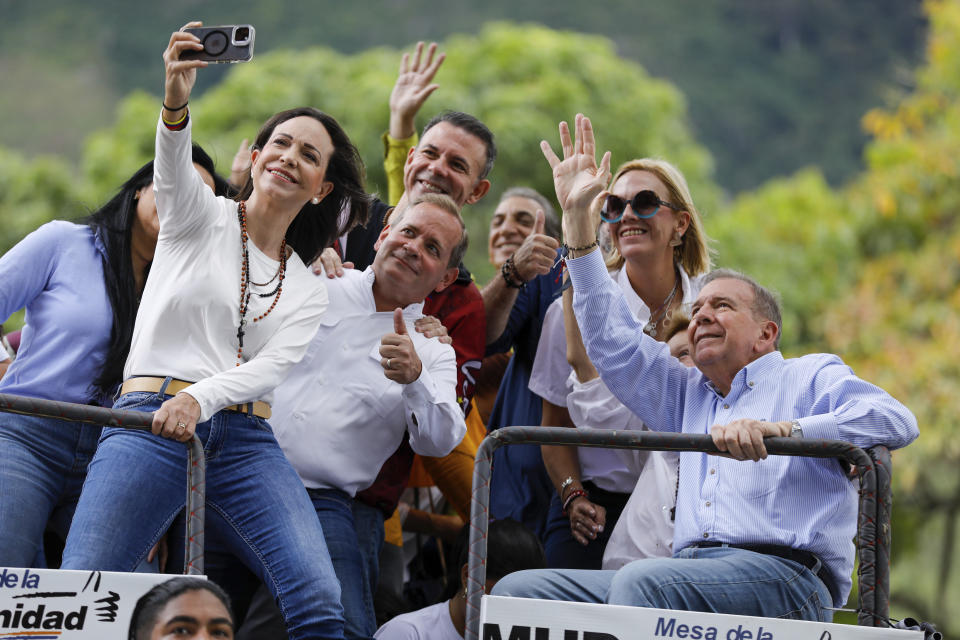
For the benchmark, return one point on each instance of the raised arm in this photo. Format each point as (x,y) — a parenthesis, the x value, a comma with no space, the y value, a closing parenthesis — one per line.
(579,182)
(414,85)
(576,352)
(181,192)
(181,75)
(638,370)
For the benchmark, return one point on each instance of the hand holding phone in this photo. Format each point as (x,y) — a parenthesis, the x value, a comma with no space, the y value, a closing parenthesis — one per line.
(227,43)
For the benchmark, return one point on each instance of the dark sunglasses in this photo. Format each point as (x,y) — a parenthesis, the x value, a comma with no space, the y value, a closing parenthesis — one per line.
(644,205)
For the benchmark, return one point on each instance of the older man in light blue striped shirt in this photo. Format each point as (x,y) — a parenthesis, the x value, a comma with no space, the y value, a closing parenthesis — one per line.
(767,537)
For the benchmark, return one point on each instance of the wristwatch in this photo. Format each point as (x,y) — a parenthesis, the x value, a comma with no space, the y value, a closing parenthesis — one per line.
(796,431)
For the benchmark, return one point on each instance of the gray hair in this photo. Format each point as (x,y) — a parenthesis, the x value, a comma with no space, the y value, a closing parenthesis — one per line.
(446,203)
(551,223)
(766,303)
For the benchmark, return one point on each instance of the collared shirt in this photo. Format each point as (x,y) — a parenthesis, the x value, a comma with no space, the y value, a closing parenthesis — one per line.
(56,273)
(804,503)
(338,417)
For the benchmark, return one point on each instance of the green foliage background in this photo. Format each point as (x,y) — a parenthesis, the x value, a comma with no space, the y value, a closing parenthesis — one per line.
(868,269)
(520,96)
(772,86)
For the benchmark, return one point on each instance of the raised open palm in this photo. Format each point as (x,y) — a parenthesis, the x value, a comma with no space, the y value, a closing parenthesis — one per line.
(577,178)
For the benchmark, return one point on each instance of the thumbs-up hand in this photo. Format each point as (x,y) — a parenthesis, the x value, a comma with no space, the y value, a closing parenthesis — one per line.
(537,254)
(398,358)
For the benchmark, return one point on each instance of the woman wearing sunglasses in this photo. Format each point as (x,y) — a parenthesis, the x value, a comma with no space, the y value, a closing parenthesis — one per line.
(656,249)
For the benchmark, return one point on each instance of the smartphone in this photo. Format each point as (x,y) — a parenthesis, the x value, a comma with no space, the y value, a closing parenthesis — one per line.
(228,43)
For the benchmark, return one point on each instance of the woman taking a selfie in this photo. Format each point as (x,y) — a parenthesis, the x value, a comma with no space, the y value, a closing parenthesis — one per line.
(228,308)
(80,284)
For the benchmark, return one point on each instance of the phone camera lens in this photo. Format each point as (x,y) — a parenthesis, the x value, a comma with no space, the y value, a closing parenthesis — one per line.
(215,43)
(241,36)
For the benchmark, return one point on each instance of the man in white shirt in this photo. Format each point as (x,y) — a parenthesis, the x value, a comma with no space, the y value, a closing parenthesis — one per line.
(368,379)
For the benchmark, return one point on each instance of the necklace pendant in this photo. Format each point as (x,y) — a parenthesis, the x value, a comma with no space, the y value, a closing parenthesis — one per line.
(650,329)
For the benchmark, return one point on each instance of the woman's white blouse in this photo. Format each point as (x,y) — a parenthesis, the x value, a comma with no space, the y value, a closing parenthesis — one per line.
(188,318)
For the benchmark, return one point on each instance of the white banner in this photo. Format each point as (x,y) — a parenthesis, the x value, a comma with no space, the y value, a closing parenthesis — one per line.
(44,604)
(524,619)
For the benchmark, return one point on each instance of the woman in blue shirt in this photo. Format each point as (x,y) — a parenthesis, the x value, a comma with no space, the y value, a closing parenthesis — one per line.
(80,285)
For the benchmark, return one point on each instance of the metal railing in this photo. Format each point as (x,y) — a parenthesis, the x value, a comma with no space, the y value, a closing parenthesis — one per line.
(196,461)
(873,522)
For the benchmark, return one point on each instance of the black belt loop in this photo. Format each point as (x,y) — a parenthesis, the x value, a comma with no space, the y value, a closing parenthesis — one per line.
(800,556)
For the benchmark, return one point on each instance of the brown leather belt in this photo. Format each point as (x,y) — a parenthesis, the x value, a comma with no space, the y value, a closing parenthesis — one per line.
(153,385)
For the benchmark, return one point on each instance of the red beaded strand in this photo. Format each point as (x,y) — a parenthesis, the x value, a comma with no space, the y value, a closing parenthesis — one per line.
(245,280)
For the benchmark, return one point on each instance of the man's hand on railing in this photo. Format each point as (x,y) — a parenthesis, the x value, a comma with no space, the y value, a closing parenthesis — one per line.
(743,439)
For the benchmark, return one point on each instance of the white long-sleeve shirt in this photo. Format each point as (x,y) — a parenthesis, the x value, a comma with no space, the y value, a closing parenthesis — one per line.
(187,322)
(338,417)
(645,527)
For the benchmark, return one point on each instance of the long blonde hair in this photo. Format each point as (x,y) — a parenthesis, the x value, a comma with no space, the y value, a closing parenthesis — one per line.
(693,252)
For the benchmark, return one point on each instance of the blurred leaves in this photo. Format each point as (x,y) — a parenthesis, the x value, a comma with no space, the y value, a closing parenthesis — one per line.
(772,86)
(33,192)
(521,80)
(794,234)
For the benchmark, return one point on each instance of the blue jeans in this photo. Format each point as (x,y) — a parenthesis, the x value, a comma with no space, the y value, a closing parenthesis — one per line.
(369,523)
(350,529)
(335,510)
(43,463)
(714,580)
(136,486)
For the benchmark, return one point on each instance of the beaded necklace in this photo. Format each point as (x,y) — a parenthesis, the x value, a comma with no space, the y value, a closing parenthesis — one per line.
(246,282)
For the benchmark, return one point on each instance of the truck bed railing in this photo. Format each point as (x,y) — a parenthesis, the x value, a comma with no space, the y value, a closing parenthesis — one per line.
(873,522)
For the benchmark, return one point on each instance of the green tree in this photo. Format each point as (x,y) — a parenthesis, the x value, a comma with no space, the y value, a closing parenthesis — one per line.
(898,323)
(794,235)
(33,192)
(519,79)
(772,86)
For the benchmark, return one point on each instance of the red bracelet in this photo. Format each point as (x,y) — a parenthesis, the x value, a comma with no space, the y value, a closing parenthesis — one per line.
(578,493)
